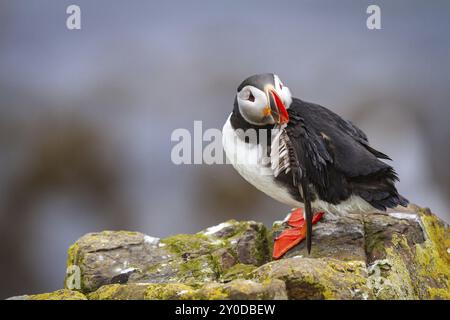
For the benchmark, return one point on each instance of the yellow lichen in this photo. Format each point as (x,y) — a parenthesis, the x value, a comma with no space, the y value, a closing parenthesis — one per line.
(72,254)
(106,292)
(433,259)
(63,294)
(239,270)
(418,272)
(169,291)
(187,243)
(211,291)
(324,278)
(396,282)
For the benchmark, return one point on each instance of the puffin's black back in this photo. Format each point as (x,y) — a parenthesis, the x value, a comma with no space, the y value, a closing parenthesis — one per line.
(338,159)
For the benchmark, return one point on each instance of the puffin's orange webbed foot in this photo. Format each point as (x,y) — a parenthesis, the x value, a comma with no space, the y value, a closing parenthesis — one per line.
(290,237)
(296,219)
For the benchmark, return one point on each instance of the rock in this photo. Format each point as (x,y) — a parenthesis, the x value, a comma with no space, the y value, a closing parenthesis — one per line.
(342,239)
(235,290)
(413,264)
(130,257)
(22,297)
(325,278)
(397,255)
(400,255)
(63,294)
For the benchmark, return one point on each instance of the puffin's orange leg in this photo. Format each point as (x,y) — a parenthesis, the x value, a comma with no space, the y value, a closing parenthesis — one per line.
(296,219)
(289,238)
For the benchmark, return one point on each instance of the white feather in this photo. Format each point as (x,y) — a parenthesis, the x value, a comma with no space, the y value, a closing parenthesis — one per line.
(248,160)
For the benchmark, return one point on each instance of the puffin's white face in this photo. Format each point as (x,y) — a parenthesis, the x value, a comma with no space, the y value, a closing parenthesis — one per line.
(263,100)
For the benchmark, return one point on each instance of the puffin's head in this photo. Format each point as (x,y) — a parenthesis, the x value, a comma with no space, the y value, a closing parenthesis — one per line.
(262,99)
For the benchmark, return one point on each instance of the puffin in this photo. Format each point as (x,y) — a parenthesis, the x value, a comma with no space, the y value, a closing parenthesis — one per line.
(305,156)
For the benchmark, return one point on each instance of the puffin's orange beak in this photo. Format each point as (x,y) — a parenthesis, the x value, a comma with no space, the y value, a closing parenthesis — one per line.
(277,107)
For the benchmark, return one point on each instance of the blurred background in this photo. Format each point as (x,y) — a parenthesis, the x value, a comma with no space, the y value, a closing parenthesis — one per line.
(86,116)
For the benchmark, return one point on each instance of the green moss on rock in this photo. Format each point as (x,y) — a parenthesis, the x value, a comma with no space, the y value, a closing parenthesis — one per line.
(238,271)
(186,244)
(199,269)
(418,271)
(170,291)
(63,294)
(325,278)
(433,258)
(403,255)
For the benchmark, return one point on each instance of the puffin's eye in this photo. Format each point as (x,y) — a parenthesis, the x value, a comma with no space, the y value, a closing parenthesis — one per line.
(251,97)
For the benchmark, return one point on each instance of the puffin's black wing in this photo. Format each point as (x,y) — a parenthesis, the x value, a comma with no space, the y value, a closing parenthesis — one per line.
(345,126)
(339,160)
(332,160)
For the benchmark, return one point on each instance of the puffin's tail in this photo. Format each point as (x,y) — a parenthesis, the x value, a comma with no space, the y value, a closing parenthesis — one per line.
(379,189)
(402,201)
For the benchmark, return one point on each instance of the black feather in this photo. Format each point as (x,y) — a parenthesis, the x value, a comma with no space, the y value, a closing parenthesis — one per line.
(335,161)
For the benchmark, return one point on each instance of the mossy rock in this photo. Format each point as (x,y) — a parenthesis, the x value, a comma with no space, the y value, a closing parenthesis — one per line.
(402,254)
(120,257)
(324,278)
(234,290)
(238,271)
(62,294)
(415,269)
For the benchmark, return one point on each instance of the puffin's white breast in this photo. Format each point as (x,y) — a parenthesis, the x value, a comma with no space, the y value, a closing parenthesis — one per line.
(248,159)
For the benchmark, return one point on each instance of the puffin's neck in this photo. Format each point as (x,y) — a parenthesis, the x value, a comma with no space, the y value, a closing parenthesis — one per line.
(238,122)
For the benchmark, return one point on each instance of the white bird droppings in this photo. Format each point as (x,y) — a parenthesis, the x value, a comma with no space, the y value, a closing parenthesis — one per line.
(182,292)
(212,230)
(151,240)
(127,270)
(403,215)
